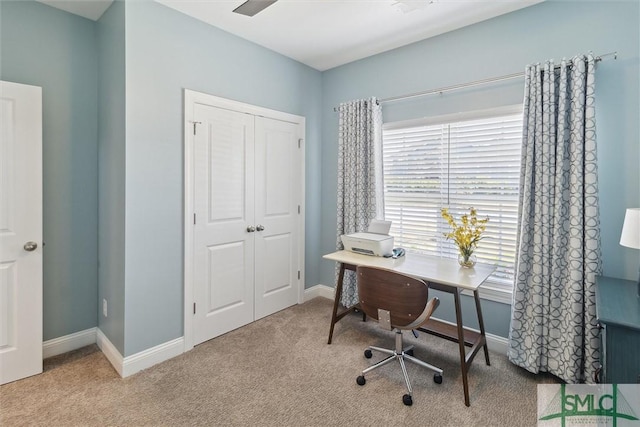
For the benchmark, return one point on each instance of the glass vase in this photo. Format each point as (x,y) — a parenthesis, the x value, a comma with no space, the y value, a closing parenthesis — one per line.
(467,261)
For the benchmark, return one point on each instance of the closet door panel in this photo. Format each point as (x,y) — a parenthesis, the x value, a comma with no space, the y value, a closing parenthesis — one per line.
(278,195)
(224,207)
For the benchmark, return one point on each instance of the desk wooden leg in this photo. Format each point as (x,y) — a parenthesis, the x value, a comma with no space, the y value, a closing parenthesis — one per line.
(481,324)
(336,301)
(463,353)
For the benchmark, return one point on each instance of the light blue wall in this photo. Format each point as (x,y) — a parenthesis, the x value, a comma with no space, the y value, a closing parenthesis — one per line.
(166,52)
(110,30)
(501,46)
(46,47)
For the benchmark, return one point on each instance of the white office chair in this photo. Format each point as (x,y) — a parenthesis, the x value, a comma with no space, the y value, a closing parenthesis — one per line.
(398,302)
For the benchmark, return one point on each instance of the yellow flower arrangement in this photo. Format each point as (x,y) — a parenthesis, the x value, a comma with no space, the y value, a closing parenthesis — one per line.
(468,233)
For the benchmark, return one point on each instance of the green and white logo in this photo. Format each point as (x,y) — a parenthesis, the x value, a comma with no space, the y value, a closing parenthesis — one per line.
(588,405)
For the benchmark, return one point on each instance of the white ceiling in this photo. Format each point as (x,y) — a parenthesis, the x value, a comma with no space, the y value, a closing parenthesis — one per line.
(91,9)
(327,33)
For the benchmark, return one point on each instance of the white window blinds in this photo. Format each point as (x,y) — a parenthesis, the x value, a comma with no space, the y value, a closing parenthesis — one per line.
(470,162)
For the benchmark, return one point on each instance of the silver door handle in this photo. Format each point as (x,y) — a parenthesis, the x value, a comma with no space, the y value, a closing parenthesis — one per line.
(251,229)
(260,227)
(30,246)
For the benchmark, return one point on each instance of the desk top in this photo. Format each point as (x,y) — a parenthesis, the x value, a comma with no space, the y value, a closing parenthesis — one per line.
(617,302)
(432,269)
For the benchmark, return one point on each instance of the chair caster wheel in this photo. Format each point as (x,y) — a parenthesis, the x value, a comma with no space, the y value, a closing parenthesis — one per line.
(437,378)
(368,354)
(406,399)
(360,380)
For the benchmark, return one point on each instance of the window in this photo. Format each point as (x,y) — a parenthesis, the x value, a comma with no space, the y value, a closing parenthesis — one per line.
(456,162)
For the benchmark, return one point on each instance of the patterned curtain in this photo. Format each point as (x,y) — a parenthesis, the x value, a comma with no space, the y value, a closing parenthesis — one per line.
(553,323)
(359,175)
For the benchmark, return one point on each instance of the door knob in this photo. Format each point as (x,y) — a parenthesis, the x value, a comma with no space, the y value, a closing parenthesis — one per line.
(251,229)
(260,227)
(30,246)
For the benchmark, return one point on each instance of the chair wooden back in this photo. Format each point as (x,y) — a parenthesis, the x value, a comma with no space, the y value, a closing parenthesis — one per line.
(405,297)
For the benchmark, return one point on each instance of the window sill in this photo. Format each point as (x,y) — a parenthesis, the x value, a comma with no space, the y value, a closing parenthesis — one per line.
(492,291)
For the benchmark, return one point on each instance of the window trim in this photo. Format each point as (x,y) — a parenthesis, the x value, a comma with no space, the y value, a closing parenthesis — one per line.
(490,290)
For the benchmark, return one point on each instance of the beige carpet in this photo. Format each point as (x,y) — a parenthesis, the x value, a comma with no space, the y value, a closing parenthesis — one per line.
(278,371)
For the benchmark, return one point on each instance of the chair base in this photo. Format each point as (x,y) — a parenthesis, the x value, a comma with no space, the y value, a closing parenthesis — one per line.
(400,354)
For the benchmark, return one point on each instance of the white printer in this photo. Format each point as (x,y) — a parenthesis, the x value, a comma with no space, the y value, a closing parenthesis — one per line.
(375,241)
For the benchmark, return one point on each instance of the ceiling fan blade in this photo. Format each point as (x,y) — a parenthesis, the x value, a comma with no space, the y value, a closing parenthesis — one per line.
(251,7)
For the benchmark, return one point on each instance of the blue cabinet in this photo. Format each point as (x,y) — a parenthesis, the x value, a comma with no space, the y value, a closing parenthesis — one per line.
(618,311)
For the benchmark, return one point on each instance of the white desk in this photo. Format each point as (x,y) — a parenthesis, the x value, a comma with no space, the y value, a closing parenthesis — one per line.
(441,274)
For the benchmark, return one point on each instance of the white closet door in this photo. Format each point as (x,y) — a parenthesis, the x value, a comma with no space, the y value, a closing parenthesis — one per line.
(278,194)
(20,231)
(224,208)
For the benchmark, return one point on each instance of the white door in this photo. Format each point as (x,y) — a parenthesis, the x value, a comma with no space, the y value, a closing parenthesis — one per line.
(224,207)
(278,193)
(20,231)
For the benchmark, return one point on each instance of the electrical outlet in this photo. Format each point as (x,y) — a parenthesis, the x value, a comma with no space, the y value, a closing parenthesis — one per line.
(104,307)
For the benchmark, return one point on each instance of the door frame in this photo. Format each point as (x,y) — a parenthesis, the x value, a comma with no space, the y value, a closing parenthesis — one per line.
(192,98)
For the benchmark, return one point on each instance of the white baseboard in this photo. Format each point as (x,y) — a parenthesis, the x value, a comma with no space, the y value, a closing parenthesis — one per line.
(147,358)
(68,343)
(110,352)
(127,366)
(319,291)
(495,343)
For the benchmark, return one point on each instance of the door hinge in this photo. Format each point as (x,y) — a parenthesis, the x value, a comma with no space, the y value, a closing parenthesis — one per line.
(194,219)
(298,274)
(299,142)
(298,209)
(194,126)
(194,308)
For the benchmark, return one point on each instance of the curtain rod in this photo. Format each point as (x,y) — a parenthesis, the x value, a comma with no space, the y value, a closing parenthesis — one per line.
(474,83)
